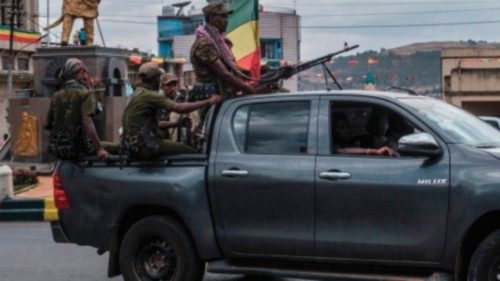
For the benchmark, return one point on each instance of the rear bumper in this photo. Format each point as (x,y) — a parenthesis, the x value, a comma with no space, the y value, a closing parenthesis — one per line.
(58,233)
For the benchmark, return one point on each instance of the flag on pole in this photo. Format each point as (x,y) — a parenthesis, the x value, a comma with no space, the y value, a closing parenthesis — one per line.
(243,32)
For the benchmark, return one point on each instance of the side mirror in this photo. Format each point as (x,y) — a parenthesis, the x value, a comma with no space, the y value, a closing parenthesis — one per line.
(419,144)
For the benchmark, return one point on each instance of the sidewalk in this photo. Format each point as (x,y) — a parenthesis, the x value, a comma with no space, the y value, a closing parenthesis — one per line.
(35,204)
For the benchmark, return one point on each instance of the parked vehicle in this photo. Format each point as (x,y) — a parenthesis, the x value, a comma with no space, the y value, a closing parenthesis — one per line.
(492,120)
(271,195)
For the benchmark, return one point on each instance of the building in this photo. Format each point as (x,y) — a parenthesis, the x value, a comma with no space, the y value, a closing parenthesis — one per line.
(471,79)
(25,42)
(279,37)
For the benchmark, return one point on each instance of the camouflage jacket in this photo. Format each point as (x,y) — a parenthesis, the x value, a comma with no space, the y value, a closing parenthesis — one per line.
(204,53)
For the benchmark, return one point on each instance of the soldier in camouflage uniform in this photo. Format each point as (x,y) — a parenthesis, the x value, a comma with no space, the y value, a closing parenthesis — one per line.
(213,63)
(72,131)
(141,136)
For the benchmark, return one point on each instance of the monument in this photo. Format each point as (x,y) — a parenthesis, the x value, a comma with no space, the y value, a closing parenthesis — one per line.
(73,9)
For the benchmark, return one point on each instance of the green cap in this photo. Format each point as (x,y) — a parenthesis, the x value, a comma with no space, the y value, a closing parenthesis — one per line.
(215,9)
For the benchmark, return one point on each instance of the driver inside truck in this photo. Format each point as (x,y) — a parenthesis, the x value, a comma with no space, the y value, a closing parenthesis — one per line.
(343,137)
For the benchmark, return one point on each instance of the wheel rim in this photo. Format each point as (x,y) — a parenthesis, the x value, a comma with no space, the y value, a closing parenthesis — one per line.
(156,259)
(495,269)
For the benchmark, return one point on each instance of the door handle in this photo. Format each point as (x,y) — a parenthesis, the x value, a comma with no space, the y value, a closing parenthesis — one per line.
(234,173)
(335,176)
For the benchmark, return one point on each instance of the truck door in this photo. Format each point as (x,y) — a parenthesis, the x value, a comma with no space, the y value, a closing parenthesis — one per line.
(377,207)
(264,176)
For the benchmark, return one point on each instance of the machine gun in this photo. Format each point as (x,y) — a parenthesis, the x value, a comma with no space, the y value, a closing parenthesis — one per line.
(285,72)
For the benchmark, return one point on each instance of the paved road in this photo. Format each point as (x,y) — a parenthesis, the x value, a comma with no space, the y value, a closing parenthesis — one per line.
(27,252)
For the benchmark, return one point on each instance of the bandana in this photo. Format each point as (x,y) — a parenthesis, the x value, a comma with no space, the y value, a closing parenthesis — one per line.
(75,69)
(219,40)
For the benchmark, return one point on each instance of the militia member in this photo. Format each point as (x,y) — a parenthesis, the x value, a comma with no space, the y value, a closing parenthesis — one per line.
(73,133)
(140,121)
(214,64)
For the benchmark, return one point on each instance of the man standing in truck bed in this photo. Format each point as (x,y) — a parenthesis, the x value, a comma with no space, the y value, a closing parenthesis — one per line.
(213,62)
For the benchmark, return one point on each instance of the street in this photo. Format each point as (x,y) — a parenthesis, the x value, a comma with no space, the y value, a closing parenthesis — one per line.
(27,252)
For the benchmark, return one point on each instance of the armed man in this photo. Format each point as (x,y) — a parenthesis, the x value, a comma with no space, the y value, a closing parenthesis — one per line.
(214,64)
(69,119)
(140,121)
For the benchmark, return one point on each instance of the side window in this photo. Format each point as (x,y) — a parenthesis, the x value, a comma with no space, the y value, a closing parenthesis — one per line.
(363,128)
(272,128)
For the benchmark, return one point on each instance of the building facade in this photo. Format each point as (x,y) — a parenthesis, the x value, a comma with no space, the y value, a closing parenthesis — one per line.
(25,41)
(279,31)
(471,79)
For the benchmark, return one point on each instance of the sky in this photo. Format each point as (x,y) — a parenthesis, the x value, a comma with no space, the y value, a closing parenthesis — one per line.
(325,24)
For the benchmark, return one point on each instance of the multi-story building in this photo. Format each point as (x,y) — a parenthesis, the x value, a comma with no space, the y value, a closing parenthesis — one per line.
(470,79)
(24,43)
(279,30)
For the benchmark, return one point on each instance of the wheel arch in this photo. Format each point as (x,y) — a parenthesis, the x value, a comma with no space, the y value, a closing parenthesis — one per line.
(136,213)
(477,232)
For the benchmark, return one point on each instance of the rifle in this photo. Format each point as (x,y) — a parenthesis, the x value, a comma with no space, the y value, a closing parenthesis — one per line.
(286,72)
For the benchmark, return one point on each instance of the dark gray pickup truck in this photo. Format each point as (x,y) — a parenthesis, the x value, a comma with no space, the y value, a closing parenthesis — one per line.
(275,193)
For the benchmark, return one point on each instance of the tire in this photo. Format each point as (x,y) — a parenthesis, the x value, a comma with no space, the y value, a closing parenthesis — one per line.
(485,262)
(159,249)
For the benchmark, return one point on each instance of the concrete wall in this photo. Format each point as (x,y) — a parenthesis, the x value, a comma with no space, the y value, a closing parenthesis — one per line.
(471,79)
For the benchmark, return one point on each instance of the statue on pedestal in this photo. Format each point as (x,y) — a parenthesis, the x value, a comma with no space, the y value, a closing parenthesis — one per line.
(73,9)
(26,143)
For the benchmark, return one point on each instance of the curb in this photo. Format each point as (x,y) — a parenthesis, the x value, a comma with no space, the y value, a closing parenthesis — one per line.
(28,210)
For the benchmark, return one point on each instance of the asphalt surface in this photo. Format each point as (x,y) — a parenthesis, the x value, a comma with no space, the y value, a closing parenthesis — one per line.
(27,252)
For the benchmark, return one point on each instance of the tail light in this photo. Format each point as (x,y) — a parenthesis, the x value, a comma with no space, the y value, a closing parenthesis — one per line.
(60,198)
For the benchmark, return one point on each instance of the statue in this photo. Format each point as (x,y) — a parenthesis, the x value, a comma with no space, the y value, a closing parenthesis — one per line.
(73,9)
(26,143)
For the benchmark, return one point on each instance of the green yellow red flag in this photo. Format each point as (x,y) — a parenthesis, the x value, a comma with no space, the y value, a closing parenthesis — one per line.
(243,31)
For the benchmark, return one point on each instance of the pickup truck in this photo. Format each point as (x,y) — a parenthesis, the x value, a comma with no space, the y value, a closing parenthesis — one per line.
(271,194)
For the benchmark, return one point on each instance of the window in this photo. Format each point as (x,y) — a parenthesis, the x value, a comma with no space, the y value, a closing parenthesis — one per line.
(23,64)
(271,49)
(272,128)
(5,63)
(356,127)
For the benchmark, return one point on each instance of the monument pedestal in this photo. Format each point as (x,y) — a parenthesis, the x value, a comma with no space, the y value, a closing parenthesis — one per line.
(108,64)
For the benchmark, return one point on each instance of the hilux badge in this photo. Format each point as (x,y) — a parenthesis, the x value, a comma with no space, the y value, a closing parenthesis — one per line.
(431,181)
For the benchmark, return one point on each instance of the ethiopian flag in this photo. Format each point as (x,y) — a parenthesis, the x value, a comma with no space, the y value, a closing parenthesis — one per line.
(243,31)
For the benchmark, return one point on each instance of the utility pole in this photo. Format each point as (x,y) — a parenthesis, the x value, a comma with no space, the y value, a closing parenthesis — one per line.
(48,22)
(14,11)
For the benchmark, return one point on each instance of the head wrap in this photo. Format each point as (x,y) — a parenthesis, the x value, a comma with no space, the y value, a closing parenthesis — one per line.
(75,69)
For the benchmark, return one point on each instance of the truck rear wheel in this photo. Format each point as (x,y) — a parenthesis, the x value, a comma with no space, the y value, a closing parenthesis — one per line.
(485,262)
(158,249)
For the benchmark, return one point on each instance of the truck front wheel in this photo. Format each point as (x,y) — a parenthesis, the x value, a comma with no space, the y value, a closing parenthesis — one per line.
(158,249)
(485,262)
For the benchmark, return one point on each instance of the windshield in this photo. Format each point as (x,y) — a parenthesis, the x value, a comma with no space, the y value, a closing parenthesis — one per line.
(457,124)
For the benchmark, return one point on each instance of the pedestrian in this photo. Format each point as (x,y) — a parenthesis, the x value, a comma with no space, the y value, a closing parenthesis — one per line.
(82,36)
(76,42)
(140,122)
(72,131)
(213,63)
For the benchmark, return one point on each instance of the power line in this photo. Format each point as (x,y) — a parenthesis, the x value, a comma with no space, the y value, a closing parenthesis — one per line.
(402,13)
(397,3)
(401,25)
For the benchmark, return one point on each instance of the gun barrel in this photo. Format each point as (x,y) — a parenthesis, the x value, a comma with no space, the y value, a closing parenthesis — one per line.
(311,63)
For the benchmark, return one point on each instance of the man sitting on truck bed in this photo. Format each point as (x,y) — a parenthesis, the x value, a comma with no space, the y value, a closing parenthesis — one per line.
(72,130)
(140,124)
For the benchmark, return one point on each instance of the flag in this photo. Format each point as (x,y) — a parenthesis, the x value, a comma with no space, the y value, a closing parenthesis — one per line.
(243,32)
